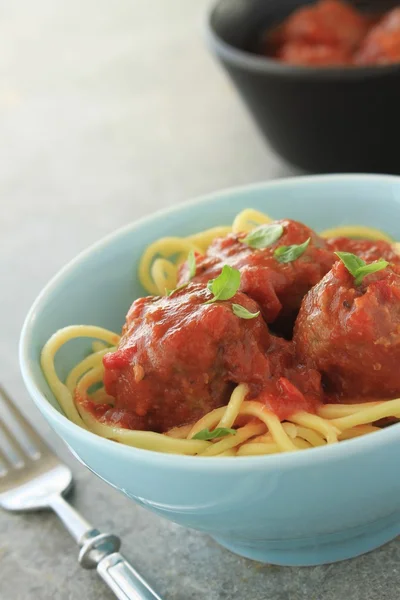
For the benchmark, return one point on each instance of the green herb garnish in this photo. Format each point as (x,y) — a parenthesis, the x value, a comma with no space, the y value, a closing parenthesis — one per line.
(225,285)
(357,267)
(170,292)
(263,236)
(350,261)
(191,261)
(287,254)
(242,312)
(206,434)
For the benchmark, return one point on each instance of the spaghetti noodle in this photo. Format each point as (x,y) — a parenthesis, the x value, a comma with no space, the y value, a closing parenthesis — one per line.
(257,429)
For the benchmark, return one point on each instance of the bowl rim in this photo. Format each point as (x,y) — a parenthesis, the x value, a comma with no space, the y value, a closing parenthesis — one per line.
(263,64)
(286,460)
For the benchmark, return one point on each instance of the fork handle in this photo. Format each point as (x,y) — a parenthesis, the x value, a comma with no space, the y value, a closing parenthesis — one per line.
(100,551)
(123,579)
(72,520)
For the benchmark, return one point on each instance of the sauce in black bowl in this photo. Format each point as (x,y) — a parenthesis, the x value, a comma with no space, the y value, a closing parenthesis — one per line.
(331,119)
(334,33)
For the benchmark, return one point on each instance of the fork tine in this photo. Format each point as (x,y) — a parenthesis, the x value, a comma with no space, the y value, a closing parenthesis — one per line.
(5,463)
(30,433)
(15,447)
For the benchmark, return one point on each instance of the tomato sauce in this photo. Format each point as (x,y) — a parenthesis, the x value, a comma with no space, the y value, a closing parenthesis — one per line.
(333,33)
(366,249)
(351,333)
(381,46)
(181,356)
(277,287)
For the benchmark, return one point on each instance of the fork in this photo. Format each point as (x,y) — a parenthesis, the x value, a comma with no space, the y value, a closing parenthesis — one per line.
(33,478)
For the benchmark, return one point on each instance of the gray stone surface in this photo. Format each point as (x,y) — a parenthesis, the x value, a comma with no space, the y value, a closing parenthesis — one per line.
(111,110)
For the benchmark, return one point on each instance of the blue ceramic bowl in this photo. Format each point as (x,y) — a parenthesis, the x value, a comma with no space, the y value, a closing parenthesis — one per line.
(316,506)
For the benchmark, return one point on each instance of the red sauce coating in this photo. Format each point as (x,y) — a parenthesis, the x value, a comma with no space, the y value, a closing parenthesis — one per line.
(333,33)
(302,53)
(180,358)
(277,287)
(368,250)
(352,333)
(329,22)
(382,44)
(298,389)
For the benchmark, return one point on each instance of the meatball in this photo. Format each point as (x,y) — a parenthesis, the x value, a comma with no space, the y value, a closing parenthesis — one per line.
(277,287)
(382,44)
(352,333)
(303,53)
(179,358)
(329,22)
(368,250)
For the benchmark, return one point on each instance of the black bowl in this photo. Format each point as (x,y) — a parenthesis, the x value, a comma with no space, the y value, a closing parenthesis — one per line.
(319,119)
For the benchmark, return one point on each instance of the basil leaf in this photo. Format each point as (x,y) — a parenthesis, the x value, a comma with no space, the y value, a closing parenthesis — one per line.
(242,312)
(371,268)
(206,434)
(358,268)
(180,287)
(191,261)
(350,261)
(287,254)
(225,285)
(263,236)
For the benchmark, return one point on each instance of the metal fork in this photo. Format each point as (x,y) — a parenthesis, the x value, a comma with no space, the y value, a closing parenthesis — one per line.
(33,478)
